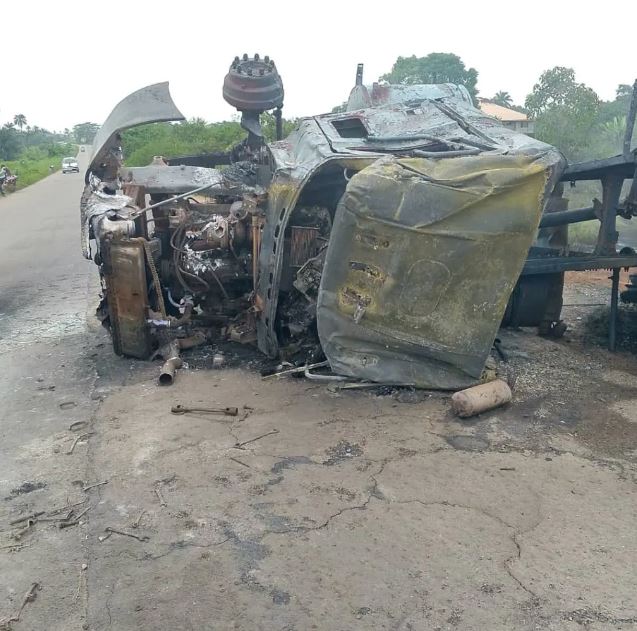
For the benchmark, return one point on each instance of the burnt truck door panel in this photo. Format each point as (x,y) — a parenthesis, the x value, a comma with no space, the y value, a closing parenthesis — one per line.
(422,260)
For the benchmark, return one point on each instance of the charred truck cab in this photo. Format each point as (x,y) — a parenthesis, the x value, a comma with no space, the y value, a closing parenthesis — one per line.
(388,237)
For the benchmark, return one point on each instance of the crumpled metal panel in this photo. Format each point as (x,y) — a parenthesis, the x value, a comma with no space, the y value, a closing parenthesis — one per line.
(173,180)
(378,95)
(421,262)
(152,104)
(97,204)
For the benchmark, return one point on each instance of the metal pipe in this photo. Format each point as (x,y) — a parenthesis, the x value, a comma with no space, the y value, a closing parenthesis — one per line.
(612,322)
(163,202)
(168,370)
(563,217)
(630,122)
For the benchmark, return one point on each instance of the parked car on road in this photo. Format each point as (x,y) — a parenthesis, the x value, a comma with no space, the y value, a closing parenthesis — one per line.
(70,165)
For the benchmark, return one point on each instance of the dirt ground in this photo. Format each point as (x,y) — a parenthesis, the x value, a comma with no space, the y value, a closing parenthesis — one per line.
(334,510)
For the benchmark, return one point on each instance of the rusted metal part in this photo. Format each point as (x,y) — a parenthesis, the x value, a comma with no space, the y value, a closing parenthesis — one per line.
(227,411)
(126,289)
(241,445)
(170,366)
(116,531)
(304,244)
(254,86)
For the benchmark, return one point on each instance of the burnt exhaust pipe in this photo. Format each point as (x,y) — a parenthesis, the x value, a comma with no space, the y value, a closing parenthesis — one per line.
(170,352)
(170,366)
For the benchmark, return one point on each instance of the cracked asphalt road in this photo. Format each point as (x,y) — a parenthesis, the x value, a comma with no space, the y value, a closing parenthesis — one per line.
(360,512)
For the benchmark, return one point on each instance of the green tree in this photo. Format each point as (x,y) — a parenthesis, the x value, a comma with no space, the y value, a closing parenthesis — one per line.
(565,111)
(85,132)
(434,68)
(20,120)
(557,88)
(503,98)
(10,145)
(624,91)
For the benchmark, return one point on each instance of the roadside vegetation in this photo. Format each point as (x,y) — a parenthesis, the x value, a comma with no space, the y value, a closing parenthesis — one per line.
(35,163)
(30,151)
(141,144)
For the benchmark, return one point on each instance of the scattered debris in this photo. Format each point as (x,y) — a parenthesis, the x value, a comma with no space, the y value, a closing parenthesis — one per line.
(74,522)
(68,507)
(77,440)
(92,486)
(481,398)
(158,486)
(252,440)
(135,524)
(297,370)
(29,597)
(243,464)
(182,409)
(18,534)
(162,501)
(13,547)
(25,518)
(127,534)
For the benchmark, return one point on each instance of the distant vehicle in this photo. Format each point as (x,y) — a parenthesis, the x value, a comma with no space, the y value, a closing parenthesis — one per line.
(82,149)
(70,165)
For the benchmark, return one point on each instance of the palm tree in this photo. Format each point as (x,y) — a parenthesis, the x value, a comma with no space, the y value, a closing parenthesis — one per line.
(503,98)
(20,120)
(615,129)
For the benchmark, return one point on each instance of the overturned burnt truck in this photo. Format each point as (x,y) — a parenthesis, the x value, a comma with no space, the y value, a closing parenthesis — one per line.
(386,239)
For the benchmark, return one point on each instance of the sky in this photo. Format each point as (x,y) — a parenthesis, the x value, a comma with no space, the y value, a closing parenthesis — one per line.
(73,61)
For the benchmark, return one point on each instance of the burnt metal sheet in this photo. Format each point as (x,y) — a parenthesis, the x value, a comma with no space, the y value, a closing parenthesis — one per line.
(152,104)
(422,260)
(173,180)
(126,290)
(379,95)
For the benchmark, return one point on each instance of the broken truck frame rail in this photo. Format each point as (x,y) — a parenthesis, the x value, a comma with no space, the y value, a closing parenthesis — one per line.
(386,239)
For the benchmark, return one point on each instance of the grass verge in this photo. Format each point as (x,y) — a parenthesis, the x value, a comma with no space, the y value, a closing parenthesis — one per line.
(30,171)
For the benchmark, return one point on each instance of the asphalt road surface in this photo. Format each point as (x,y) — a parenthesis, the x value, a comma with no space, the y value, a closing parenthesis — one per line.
(313,509)
(48,378)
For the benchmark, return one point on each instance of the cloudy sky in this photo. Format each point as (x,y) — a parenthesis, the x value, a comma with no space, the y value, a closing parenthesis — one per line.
(72,61)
